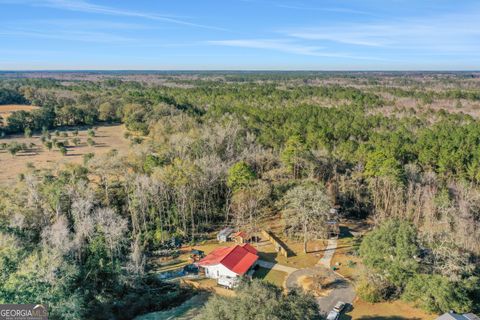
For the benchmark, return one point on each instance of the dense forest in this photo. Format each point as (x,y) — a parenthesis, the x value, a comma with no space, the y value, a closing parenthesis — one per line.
(214,149)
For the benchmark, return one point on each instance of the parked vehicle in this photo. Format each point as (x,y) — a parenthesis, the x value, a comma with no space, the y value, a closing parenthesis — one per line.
(229,283)
(339,306)
(333,315)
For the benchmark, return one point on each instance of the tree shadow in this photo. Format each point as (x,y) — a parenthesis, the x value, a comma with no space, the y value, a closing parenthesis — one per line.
(345,232)
(290,253)
(336,284)
(269,256)
(261,273)
(100,145)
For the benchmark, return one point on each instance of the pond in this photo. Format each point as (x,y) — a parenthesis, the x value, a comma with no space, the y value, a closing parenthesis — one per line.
(186,311)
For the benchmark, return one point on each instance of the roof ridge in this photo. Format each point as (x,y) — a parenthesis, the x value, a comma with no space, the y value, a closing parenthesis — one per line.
(230,251)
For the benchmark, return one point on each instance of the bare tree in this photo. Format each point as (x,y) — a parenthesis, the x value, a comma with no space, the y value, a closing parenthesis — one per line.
(306,212)
(113,228)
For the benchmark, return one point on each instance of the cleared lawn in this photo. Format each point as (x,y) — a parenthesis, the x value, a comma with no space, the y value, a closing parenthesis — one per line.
(273,276)
(347,264)
(297,259)
(106,138)
(396,310)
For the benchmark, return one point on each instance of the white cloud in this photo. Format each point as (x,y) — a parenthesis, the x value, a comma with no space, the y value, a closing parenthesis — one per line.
(83,36)
(326,9)
(286,46)
(84,6)
(446,33)
(271,44)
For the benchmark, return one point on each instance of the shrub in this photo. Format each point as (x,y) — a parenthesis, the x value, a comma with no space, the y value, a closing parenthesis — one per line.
(63,151)
(28,133)
(87,157)
(372,289)
(49,145)
(137,140)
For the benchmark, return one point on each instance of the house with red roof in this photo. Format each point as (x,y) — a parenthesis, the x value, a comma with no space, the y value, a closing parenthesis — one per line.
(229,262)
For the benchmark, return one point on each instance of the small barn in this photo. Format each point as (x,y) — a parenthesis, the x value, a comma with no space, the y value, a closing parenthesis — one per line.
(240,237)
(224,234)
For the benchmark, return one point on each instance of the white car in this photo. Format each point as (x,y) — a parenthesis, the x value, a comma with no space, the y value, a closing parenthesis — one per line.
(227,282)
(339,306)
(333,315)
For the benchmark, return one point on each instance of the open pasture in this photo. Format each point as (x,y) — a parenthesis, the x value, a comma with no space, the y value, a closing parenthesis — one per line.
(106,138)
(7,109)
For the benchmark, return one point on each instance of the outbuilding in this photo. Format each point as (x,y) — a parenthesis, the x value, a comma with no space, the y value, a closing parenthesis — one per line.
(224,234)
(240,237)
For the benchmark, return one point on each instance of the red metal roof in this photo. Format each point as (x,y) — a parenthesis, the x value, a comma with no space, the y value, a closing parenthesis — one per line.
(250,248)
(238,258)
(240,234)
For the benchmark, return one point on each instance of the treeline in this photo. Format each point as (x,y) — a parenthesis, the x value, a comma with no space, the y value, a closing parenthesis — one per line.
(8,96)
(428,96)
(382,145)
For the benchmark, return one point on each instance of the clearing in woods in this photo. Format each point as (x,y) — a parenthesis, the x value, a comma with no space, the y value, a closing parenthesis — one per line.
(106,138)
(7,109)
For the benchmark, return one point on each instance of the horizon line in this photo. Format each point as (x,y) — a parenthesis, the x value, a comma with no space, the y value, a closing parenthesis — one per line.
(236,70)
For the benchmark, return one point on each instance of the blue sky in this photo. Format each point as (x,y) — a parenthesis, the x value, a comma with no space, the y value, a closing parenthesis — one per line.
(240,34)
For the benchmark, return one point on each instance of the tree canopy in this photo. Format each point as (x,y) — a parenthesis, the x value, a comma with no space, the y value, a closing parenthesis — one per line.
(258,300)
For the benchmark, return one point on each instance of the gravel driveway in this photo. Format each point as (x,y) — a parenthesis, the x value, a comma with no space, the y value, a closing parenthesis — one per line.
(341,289)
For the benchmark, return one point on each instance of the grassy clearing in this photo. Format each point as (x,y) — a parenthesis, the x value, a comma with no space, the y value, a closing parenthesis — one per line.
(106,138)
(273,276)
(297,259)
(7,109)
(395,310)
(210,285)
(347,264)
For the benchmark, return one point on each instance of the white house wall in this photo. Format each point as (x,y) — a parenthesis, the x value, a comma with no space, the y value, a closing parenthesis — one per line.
(219,270)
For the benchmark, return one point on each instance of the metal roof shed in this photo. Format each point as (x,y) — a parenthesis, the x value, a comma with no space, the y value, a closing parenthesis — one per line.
(223,235)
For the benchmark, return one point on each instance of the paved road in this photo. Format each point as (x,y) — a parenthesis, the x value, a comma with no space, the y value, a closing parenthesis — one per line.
(276,266)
